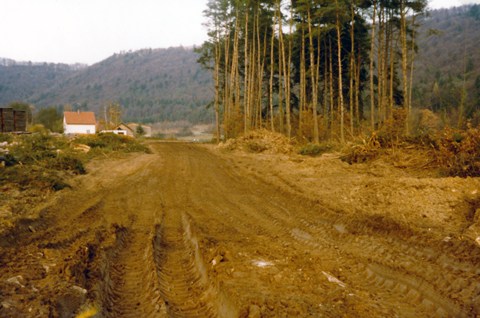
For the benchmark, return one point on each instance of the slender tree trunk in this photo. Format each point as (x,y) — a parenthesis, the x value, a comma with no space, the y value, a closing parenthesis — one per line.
(380,63)
(314,81)
(233,77)
(372,90)
(217,80)
(325,85)
(352,65)
(302,81)
(403,32)
(245,97)
(281,66)
(332,107)
(272,65)
(260,81)
(357,85)
(413,59)
(226,83)
(340,80)
(289,75)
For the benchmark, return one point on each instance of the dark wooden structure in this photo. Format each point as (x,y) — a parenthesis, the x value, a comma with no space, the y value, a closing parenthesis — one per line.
(12,120)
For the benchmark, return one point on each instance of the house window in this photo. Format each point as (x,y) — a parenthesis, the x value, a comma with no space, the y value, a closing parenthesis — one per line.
(88,132)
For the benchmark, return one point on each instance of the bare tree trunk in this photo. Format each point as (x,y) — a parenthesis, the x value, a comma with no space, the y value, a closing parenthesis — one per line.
(281,67)
(325,86)
(289,75)
(260,80)
(233,76)
(280,83)
(413,59)
(245,98)
(272,64)
(357,85)
(302,81)
(372,90)
(217,80)
(340,84)
(314,82)
(403,32)
(226,93)
(380,63)
(352,65)
(332,108)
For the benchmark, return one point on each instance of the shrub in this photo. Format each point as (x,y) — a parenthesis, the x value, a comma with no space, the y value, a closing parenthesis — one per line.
(38,129)
(6,137)
(459,152)
(111,142)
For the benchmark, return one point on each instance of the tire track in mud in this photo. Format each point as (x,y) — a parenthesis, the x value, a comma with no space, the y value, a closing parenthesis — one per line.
(128,286)
(443,282)
(185,285)
(391,277)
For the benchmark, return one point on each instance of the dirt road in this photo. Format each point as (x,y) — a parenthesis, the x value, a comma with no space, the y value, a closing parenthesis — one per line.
(182,233)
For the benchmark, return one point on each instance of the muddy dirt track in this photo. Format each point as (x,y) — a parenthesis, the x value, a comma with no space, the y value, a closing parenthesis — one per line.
(182,233)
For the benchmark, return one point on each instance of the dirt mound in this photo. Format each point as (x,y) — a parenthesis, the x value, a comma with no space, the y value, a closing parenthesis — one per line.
(260,141)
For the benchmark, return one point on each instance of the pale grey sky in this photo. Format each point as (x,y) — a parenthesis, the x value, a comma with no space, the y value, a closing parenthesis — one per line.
(88,31)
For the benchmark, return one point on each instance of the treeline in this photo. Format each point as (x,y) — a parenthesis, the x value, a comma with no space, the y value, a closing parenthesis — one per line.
(311,68)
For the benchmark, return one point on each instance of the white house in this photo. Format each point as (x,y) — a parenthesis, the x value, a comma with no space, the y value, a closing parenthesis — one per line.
(79,122)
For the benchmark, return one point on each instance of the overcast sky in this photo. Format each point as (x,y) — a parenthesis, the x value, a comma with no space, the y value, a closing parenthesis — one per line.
(88,31)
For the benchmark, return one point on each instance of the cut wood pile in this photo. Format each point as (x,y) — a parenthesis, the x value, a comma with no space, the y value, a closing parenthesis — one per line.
(263,141)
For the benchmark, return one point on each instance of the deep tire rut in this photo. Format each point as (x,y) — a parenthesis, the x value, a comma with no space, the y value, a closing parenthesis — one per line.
(184,282)
(132,286)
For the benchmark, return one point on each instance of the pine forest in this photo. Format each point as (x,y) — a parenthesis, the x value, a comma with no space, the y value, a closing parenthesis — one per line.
(330,69)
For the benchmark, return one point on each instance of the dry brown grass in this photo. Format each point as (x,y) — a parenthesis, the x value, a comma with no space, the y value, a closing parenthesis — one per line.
(260,141)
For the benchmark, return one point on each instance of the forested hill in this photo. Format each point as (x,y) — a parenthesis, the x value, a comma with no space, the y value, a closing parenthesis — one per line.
(448,63)
(151,85)
(20,80)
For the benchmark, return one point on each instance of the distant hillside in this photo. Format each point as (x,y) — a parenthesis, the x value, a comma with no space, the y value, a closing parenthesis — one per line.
(20,80)
(151,85)
(449,61)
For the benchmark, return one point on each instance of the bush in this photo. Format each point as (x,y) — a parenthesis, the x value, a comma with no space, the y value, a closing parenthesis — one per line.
(40,160)
(48,152)
(109,142)
(6,137)
(26,177)
(459,152)
(40,129)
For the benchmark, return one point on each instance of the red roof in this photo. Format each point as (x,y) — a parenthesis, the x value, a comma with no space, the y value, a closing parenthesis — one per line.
(80,118)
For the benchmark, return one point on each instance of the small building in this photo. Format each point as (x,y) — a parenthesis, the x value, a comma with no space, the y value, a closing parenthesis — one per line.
(147,129)
(12,120)
(120,129)
(124,128)
(79,123)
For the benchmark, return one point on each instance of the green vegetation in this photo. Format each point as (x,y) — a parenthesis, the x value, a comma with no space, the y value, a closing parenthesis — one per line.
(108,143)
(50,118)
(6,137)
(43,162)
(140,131)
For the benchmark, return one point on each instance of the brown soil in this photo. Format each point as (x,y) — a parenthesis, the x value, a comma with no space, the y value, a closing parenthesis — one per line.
(194,231)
